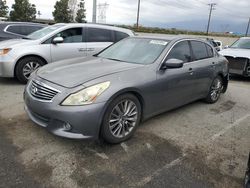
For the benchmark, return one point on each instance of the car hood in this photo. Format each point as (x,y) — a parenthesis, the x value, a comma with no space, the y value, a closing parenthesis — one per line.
(236,52)
(75,72)
(14,42)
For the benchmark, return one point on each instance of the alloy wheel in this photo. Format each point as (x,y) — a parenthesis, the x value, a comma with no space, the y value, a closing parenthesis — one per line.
(123,118)
(216,89)
(29,68)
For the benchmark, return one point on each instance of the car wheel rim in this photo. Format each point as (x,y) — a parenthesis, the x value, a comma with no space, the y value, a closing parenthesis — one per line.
(216,89)
(29,68)
(123,118)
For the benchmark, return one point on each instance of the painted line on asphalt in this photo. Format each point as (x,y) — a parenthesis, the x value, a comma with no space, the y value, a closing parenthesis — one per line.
(223,131)
(147,179)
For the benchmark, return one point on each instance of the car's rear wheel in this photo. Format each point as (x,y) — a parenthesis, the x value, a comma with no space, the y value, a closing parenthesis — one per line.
(121,119)
(26,66)
(215,90)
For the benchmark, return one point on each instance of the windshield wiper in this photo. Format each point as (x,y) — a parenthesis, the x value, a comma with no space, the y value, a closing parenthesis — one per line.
(26,38)
(115,59)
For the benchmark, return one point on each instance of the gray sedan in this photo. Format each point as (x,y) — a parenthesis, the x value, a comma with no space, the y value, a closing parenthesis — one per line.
(107,96)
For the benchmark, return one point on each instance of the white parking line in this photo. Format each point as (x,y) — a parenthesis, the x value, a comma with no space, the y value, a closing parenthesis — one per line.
(223,131)
(147,179)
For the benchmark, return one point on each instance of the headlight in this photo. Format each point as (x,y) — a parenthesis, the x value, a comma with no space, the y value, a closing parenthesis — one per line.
(4,51)
(86,96)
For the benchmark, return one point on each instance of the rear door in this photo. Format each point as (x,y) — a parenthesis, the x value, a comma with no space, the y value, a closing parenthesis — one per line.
(97,39)
(73,45)
(204,64)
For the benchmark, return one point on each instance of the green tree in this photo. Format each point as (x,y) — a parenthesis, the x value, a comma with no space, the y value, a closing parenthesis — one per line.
(3,8)
(62,12)
(81,12)
(23,11)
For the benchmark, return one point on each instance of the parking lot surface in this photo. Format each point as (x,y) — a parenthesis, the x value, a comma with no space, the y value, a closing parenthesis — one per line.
(198,145)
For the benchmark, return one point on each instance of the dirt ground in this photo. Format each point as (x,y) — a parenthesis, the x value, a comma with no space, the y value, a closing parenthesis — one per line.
(198,145)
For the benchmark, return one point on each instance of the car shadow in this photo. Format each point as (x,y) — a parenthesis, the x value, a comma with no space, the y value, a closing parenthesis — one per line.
(9,81)
(239,78)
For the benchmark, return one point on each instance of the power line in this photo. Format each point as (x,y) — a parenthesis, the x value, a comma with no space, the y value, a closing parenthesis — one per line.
(212,5)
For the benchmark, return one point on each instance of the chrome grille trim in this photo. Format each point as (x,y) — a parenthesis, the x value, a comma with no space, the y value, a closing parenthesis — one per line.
(41,91)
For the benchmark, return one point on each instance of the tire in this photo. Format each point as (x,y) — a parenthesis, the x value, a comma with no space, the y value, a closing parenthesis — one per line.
(121,119)
(215,90)
(26,66)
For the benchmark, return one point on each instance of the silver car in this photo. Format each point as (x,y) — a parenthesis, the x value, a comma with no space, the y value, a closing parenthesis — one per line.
(109,94)
(238,55)
(20,57)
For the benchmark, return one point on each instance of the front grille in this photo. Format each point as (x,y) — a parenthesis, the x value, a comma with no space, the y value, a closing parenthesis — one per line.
(238,63)
(42,91)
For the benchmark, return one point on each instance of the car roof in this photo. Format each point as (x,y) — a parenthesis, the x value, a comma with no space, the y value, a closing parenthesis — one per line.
(104,26)
(170,37)
(21,23)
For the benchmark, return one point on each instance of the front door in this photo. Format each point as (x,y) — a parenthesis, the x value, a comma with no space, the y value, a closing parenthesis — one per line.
(176,85)
(73,45)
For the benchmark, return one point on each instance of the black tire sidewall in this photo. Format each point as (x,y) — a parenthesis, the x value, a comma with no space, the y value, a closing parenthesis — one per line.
(106,135)
(22,63)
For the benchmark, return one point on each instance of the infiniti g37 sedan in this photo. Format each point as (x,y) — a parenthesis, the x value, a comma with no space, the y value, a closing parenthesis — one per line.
(20,57)
(106,96)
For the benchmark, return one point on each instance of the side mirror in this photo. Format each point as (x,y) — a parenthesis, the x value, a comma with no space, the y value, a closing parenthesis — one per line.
(172,64)
(57,40)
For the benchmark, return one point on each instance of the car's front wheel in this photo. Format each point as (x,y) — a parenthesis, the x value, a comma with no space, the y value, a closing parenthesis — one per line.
(215,90)
(121,119)
(26,66)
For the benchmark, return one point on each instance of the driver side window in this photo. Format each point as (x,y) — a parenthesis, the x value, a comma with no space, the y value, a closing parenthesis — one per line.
(181,51)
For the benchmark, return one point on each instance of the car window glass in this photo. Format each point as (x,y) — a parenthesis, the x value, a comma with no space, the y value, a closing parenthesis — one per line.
(180,51)
(99,35)
(120,35)
(22,29)
(210,51)
(73,35)
(199,50)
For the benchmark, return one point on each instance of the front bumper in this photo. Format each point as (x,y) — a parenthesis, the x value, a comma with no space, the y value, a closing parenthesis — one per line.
(239,65)
(7,66)
(85,121)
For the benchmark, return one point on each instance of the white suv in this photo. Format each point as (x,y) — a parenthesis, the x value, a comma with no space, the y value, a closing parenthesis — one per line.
(20,57)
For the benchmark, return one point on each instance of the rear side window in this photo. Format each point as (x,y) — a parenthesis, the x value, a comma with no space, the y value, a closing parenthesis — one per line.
(22,29)
(210,51)
(181,51)
(120,35)
(99,35)
(199,50)
(73,35)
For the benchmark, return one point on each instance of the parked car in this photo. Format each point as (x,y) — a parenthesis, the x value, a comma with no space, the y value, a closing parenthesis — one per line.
(219,45)
(109,94)
(20,57)
(247,175)
(13,30)
(238,55)
(215,43)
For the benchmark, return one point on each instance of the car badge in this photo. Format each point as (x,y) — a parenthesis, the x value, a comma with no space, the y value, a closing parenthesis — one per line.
(34,90)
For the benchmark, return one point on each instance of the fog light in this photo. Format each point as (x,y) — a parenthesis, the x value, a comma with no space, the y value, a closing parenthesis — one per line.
(66,126)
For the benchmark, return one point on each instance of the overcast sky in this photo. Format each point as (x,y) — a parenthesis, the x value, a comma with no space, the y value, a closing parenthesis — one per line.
(163,12)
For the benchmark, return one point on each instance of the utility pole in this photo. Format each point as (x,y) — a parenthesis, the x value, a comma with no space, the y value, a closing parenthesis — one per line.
(94,12)
(138,14)
(212,5)
(248,27)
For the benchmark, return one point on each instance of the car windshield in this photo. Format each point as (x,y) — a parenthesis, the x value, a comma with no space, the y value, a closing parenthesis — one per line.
(43,32)
(241,43)
(135,50)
